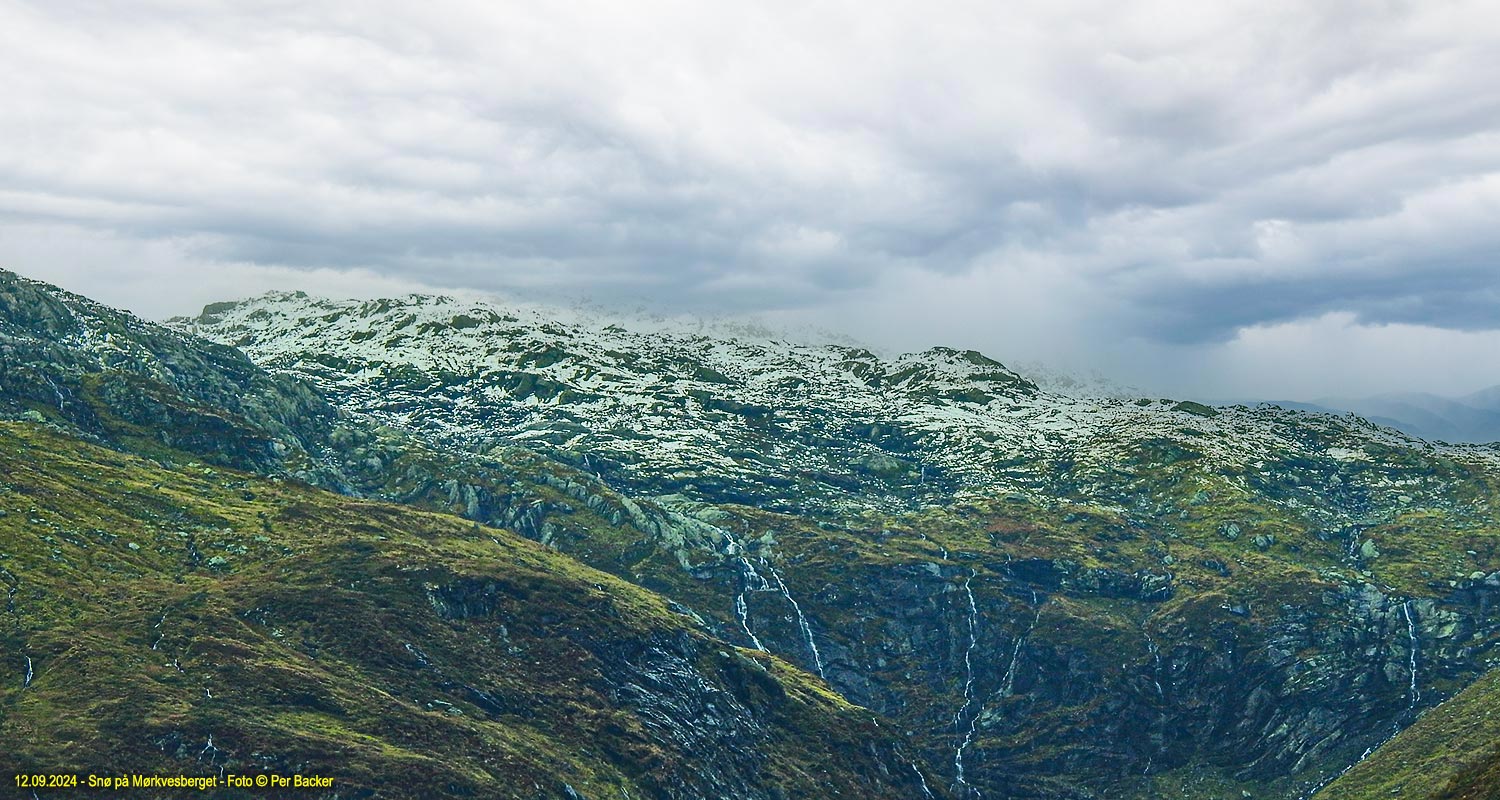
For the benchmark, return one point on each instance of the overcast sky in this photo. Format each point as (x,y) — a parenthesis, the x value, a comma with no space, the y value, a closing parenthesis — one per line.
(1229,199)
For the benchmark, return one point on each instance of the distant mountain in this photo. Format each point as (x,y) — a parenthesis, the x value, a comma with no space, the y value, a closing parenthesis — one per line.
(1075,384)
(719,416)
(1484,399)
(1474,418)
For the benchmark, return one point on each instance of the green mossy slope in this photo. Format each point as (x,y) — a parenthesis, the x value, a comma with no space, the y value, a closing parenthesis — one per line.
(203,622)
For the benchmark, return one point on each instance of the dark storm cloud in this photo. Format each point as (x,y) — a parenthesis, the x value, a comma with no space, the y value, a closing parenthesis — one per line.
(1170,172)
(1450,299)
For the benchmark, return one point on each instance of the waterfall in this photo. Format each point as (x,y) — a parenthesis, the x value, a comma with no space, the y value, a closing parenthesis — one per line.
(801,619)
(941,548)
(1156,660)
(1007,685)
(750,580)
(958,754)
(26,683)
(926,790)
(1411,639)
(741,610)
(57,392)
(1341,773)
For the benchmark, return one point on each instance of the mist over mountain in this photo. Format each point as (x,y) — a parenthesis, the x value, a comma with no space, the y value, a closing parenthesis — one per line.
(1473,418)
(1263,200)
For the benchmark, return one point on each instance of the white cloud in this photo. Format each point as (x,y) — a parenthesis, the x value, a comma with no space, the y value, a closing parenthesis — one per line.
(1179,175)
(1335,355)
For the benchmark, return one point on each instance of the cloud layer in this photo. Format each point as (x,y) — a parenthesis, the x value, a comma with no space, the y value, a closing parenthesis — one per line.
(1102,184)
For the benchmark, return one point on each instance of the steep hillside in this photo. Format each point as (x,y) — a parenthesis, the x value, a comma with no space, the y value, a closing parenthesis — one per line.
(116,378)
(1045,596)
(1063,597)
(202,621)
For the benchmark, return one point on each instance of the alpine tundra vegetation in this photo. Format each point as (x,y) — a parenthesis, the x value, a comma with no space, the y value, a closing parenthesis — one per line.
(500,550)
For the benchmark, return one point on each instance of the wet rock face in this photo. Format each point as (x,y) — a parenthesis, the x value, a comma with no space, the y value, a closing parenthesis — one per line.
(661,685)
(660,681)
(708,713)
(1068,576)
(1064,704)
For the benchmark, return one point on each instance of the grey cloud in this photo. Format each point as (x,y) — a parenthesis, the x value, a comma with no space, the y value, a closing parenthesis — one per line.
(1191,171)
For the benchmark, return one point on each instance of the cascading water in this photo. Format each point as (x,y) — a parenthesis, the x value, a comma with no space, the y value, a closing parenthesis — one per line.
(1412,648)
(922,779)
(807,633)
(1413,693)
(941,549)
(958,754)
(1156,661)
(750,580)
(1007,685)
(741,609)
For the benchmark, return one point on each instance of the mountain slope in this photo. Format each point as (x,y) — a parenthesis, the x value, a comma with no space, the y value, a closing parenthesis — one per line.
(116,378)
(785,426)
(1060,597)
(1048,597)
(205,622)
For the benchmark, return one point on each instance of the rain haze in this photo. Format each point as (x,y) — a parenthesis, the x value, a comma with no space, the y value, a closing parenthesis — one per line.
(1239,199)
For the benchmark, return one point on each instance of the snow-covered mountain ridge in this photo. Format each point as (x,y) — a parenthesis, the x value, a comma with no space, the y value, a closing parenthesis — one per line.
(1122,598)
(745,417)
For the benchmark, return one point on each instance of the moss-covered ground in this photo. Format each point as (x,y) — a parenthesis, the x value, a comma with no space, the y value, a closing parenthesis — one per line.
(194,620)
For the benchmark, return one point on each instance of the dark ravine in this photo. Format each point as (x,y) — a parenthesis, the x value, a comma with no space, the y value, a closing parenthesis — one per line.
(1187,601)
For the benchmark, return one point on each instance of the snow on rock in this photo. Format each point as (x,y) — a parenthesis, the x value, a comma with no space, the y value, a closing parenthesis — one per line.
(734,413)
